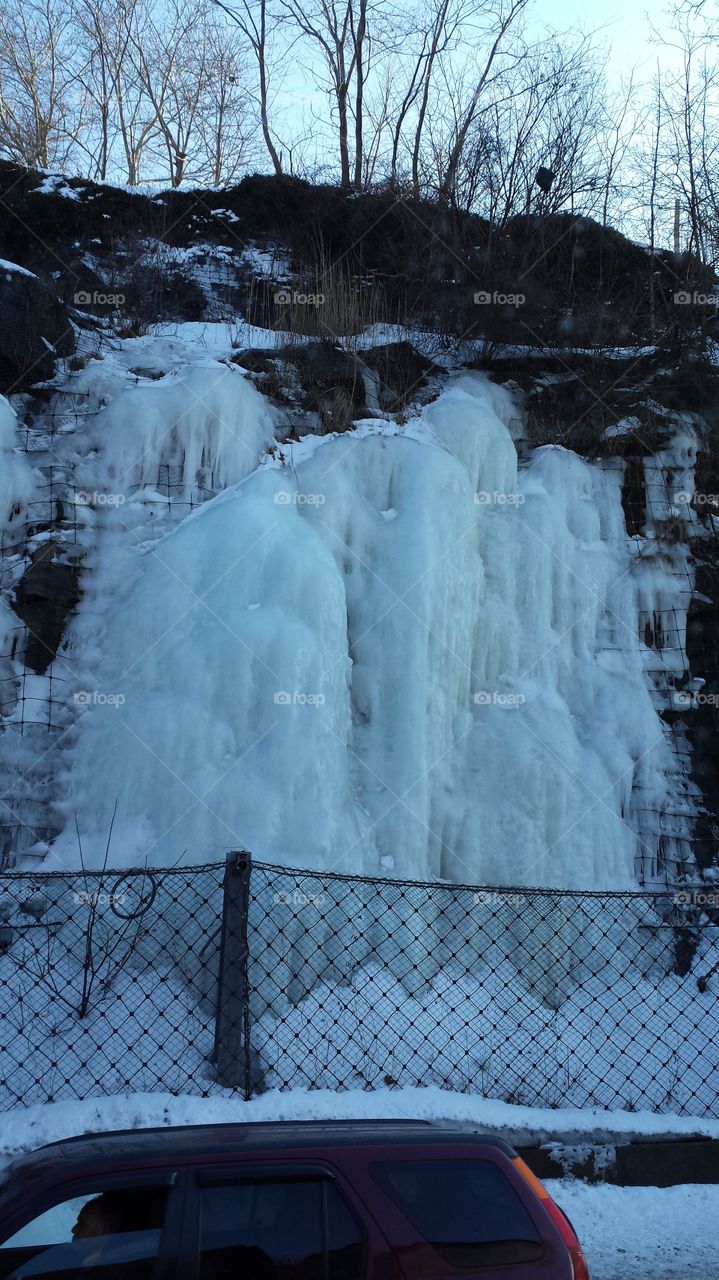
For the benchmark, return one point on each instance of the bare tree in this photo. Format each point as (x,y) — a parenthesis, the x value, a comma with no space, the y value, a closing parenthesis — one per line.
(225,124)
(443,98)
(439,35)
(136,112)
(103,43)
(341,36)
(689,169)
(543,108)
(505,17)
(170,55)
(361,47)
(572,130)
(623,124)
(251,18)
(39,100)
(328,24)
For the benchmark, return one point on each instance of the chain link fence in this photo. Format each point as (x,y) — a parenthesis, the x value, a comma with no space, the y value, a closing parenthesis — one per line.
(244,977)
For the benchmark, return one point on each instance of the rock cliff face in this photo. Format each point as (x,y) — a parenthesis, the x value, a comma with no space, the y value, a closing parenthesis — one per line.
(565,632)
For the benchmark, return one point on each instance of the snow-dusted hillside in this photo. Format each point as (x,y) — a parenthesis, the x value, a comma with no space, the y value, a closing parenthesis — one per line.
(391,651)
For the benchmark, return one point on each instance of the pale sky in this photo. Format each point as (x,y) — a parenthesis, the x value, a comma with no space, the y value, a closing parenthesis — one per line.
(625,29)
(622,26)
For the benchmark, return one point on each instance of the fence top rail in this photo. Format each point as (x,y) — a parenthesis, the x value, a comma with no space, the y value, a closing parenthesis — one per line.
(518,891)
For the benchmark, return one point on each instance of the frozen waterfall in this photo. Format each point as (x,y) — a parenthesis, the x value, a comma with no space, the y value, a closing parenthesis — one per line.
(386,652)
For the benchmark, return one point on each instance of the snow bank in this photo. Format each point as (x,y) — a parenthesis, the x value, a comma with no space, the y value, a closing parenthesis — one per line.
(629,1233)
(515,1004)
(613,1040)
(395,651)
(27,1128)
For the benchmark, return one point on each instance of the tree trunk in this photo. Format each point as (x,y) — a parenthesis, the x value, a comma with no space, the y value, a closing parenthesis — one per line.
(263,113)
(345,180)
(359,94)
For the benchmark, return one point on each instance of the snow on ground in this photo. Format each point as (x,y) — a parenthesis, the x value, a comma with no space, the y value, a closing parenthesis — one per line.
(644,1233)
(628,1233)
(25,1128)
(30,1127)
(611,1042)
(55,185)
(223,337)
(514,350)
(539,1007)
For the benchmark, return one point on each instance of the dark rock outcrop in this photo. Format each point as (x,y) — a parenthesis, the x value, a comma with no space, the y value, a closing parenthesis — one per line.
(403,373)
(35,329)
(45,596)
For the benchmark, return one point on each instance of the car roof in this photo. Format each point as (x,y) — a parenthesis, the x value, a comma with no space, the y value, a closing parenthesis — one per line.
(73,1155)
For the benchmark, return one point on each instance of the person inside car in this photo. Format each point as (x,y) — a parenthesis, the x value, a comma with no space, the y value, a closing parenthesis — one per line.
(113,1212)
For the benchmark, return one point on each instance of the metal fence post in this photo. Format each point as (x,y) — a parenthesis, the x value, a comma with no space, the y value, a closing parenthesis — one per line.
(232,1027)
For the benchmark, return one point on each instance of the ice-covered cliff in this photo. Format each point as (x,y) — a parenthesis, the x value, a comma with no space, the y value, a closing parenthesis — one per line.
(388,651)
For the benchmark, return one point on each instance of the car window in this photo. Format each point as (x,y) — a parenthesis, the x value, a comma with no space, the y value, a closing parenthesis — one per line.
(467,1210)
(102,1235)
(53,1225)
(278,1230)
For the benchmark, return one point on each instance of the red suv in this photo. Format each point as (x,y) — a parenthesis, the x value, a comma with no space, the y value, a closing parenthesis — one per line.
(326,1200)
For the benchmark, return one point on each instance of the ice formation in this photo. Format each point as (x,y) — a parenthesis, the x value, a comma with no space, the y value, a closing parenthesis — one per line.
(193,431)
(388,648)
(16,475)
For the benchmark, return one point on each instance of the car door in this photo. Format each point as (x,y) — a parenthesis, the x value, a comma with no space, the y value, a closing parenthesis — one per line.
(105,1227)
(273,1220)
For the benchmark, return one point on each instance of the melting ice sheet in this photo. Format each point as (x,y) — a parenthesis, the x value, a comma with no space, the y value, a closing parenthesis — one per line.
(395,651)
